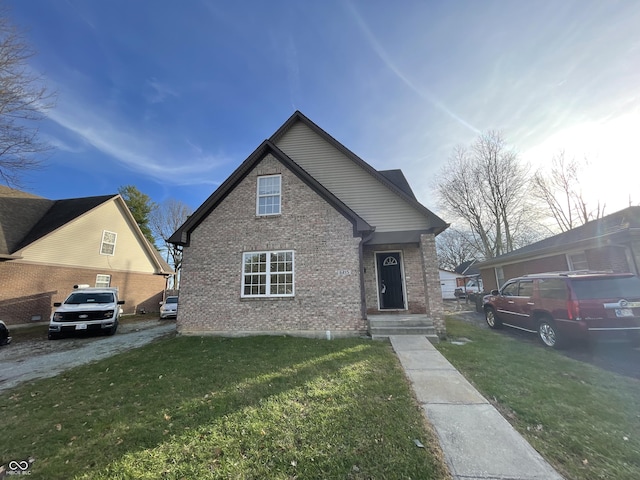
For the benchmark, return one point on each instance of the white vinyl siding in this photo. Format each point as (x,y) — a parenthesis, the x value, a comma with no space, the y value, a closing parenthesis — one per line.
(358,189)
(77,244)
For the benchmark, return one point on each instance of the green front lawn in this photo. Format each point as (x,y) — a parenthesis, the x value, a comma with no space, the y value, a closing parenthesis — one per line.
(585,421)
(246,408)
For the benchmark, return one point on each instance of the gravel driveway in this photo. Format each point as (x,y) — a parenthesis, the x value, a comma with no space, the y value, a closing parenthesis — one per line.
(37,358)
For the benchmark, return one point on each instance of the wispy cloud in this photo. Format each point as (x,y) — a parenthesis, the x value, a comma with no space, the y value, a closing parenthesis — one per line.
(423,92)
(159,91)
(150,156)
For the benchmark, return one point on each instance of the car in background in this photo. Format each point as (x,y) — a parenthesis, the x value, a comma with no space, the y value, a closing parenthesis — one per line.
(169,308)
(471,288)
(86,309)
(5,336)
(568,306)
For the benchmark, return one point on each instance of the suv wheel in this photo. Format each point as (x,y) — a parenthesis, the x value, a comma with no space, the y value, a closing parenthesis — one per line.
(548,334)
(491,318)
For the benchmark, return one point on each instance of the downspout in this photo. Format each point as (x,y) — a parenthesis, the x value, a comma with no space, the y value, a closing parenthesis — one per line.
(363,301)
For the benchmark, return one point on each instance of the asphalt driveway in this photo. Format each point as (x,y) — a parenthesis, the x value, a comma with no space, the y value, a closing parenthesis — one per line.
(618,357)
(33,359)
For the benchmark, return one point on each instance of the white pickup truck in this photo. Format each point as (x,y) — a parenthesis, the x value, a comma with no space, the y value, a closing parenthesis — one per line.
(473,286)
(86,309)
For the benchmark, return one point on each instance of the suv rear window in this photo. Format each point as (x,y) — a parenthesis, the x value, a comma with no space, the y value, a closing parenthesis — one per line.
(607,287)
(553,288)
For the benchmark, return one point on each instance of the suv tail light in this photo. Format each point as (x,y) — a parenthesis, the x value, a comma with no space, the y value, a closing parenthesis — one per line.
(573,309)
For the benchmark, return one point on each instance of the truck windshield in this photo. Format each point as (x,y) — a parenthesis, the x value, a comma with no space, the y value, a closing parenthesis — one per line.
(78,298)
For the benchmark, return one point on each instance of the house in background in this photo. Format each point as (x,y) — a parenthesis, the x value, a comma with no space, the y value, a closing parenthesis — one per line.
(48,246)
(611,243)
(448,283)
(305,238)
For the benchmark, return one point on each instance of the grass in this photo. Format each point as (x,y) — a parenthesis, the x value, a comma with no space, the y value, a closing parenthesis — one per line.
(207,408)
(585,421)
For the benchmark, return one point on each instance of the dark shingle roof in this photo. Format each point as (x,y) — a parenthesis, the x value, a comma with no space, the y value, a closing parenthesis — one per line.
(468,268)
(18,216)
(27,218)
(621,221)
(182,235)
(399,180)
(60,213)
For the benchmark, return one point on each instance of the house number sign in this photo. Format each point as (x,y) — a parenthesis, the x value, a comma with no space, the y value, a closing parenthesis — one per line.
(344,273)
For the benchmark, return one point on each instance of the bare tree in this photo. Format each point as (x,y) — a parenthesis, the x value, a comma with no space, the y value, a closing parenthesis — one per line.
(454,247)
(23,102)
(486,187)
(164,220)
(561,191)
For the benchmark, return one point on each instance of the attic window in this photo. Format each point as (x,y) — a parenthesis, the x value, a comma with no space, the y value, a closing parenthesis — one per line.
(108,245)
(268,197)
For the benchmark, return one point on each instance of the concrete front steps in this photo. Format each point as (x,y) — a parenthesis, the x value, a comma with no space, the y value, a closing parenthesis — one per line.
(386,325)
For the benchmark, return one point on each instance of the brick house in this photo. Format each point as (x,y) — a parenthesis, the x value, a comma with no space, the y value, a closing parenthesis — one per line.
(47,246)
(306,238)
(609,243)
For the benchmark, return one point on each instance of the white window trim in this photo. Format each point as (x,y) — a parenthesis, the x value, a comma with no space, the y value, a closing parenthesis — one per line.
(258,196)
(404,281)
(102,243)
(499,272)
(268,275)
(101,284)
(570,261)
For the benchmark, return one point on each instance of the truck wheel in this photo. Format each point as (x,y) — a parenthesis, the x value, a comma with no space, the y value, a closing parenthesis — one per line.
(112,330)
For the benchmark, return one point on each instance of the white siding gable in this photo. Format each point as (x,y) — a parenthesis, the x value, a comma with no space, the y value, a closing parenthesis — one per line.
(77,244)
(353,185)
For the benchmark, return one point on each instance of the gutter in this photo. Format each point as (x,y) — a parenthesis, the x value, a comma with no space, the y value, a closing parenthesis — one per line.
(363,302)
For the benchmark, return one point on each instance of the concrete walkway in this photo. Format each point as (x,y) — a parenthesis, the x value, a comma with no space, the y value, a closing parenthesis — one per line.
(478,443)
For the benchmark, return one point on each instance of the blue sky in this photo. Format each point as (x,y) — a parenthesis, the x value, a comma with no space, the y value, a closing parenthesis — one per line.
(171,96)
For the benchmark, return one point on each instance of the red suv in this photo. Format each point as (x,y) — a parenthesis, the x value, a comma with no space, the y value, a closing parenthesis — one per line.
(568,306)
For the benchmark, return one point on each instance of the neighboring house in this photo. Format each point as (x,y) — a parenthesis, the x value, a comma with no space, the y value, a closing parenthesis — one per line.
(611,243)
(470,281)
(449,283)
(48,246)
(468,269)
(305,238)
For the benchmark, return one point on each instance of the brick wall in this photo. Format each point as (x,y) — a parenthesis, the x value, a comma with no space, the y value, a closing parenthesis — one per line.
(327,286)
(431,276)
(412,270)
(28,291)
(604,258)
(608,258)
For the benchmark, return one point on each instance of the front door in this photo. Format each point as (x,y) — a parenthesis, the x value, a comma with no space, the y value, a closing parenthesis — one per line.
(390,281)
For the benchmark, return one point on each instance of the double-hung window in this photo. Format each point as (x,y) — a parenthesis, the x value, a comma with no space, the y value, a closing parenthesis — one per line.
(103,281)
(108,245)
(268,274)
(269,195)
